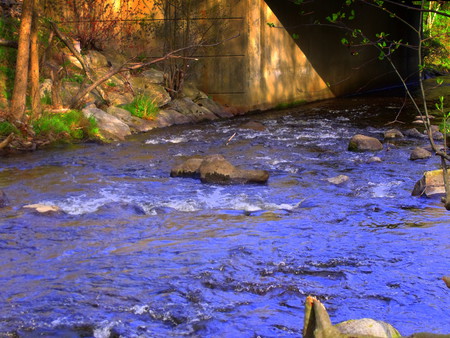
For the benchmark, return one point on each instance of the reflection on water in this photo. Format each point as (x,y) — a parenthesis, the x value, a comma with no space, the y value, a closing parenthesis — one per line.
(137,253)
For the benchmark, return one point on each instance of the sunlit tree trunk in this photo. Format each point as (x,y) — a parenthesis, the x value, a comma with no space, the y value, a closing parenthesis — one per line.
(23,54)
(34,66)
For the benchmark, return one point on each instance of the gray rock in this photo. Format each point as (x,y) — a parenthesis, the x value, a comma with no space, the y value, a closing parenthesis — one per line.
(193,111)
(153,75)
(392,134)
(364,143)
(338,180)
(191,91)
(96,59)
(3,199)
(136,124)
(214,107)
(169,117)
(374,159)
(413,133)
(142,86)
(419,153)
(110,126)
(215,169)
(253,125)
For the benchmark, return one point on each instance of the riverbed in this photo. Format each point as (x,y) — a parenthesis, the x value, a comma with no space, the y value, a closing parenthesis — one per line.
(136,253)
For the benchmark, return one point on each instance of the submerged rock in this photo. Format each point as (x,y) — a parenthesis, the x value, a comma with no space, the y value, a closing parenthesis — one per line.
(43,208)
(215,169)
(392,134)
(364,143)
(341,179)
(3,199)
(253,125)
(419,153)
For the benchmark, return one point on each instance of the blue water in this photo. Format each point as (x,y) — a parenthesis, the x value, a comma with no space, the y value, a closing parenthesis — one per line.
(136,253)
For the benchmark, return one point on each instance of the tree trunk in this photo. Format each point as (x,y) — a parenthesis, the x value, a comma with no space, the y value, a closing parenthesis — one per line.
(36,107)
(23,54)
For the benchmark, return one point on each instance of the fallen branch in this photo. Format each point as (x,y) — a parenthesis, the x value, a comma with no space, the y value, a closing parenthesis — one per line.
(7,141)
(7,43)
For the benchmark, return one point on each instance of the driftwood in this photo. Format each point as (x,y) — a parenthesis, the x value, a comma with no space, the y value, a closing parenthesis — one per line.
(7,141)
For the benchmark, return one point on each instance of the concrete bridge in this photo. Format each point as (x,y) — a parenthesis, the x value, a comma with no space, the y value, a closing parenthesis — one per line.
(266,66)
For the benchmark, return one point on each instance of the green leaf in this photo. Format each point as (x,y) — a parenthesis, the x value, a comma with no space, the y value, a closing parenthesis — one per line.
(270,24)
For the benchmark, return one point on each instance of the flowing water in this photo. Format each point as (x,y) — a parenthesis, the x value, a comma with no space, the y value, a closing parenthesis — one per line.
(139,254)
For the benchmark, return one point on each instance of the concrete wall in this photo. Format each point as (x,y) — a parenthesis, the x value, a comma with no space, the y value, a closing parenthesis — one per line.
(264,66)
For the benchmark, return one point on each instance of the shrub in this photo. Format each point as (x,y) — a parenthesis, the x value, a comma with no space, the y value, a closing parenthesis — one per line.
(142,107)
(7,128)
(72,125)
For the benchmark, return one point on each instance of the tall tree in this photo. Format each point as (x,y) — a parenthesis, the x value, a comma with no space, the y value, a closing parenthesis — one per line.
(34,65)
(18,101)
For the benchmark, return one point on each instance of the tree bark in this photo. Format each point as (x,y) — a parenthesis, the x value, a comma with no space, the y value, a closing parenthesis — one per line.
(18,101)
(36,107)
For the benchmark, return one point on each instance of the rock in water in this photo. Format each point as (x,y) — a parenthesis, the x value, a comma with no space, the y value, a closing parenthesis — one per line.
(431,183)
(419,153)
(364,143)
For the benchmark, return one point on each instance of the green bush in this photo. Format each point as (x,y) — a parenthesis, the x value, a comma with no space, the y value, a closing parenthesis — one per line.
(142,107)
(7,128)
(70,126)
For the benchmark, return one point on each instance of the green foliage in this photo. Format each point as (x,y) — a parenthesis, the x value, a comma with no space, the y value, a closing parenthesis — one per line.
(290,104)
(143,107)
(70,126)
(8,31)
(7,128)
(78,78)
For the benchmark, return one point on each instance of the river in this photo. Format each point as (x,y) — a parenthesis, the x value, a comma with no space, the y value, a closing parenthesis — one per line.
(137,253)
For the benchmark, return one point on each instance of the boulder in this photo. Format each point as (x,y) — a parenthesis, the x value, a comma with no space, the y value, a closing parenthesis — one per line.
(191,91)
(364,143)
(253,125)
(393,134)
(189,168)
(153,76)
(190,109)
(419,153)
(142,86)
(414,133)
(136,124)
(96,59)
(110,126)
(3,199)
(169,117)
(215,169)
(431,183)
(117,98)
(214,107)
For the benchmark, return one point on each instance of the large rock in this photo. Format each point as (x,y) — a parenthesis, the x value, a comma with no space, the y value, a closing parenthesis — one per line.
(142,86)
(393,134)
(110,126)
(153,76)
(215,169)
(136,124)
(190,109)
(419,153)
(431,183)
(191,91)
(214,107)
(169,117)
(364,143)
(96,59)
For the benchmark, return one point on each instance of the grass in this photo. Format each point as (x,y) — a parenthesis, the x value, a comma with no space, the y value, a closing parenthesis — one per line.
(142,107)
(7,128)
(69,126)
